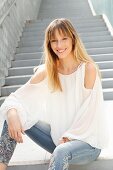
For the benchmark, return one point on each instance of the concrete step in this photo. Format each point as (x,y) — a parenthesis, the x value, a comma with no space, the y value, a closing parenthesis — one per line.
(6,90)
(20,71)
(43,166)
(2,99)
(61,5)
(66,15)
(87,44)
(97,51)
(38,55)
(96,165)
(107,73)
(108,94)
(84,35)
(36,26)
(17,80)
(16,71)
(22,79)
(33,28)
(35,62)
(42,26)
(91,51)
(27,56)
(102,57)
(40,35)
(74,18)
(20,63)
(107,83)
(100,44)
(80,30)
(105,64)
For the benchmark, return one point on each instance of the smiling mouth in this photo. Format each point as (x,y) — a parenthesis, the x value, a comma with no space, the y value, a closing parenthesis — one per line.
(61,51)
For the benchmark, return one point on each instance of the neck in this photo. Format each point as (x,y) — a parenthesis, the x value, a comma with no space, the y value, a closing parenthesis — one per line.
(67,65)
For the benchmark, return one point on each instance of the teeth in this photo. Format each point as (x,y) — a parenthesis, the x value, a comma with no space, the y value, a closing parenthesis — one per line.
(60,51)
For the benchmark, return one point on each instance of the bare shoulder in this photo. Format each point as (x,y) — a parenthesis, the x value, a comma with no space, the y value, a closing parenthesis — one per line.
(90,75)
(39,75)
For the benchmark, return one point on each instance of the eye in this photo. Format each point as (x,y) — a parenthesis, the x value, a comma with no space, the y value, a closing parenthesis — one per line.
(52,41)
(65,38)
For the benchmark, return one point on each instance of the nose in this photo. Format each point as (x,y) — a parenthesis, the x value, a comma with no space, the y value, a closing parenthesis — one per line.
(59,43)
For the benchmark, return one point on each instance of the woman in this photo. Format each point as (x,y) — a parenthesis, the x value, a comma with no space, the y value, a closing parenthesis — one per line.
(61,106)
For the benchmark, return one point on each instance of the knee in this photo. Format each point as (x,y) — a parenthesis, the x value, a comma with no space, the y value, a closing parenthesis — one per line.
(61,152)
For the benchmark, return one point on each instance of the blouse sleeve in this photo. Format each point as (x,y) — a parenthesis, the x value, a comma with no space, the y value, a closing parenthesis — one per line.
(90,118)
(20,100)
(12,102)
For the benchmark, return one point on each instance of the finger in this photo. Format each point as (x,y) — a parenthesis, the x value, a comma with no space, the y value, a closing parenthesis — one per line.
(22,131)
(20,139)
(11,132)
(15,134)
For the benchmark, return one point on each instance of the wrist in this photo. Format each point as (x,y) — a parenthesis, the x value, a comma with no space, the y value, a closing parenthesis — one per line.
(11,111)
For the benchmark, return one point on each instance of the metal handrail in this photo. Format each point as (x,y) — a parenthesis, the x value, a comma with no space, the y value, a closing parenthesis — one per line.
(7,13)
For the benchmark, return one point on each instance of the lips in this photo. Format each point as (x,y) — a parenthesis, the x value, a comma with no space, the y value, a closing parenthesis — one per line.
(61,51)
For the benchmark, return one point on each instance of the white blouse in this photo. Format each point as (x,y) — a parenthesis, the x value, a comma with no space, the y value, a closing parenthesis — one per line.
(76,113)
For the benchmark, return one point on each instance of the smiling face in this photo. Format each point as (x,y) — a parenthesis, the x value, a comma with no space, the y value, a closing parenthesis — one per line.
(61,44)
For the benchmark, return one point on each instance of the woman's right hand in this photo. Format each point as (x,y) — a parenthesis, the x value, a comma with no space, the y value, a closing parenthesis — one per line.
(14,126)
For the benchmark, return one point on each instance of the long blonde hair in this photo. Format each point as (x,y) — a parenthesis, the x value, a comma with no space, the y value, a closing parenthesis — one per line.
(63,26)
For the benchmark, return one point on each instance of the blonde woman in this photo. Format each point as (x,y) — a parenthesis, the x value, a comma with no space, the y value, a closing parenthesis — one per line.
(61,106)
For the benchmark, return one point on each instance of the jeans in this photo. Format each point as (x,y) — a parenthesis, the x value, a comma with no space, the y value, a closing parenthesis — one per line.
(74,152)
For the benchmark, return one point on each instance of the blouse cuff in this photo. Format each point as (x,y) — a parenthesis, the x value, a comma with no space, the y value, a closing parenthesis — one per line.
(69,136)
(11,102)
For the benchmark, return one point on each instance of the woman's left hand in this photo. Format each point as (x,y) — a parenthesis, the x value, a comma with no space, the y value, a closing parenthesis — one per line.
(63,140)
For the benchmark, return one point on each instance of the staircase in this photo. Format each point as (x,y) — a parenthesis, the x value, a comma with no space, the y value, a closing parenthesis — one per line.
(97,40)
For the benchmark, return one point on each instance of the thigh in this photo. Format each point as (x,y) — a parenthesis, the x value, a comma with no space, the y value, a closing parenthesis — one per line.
(79,152)
(40,134)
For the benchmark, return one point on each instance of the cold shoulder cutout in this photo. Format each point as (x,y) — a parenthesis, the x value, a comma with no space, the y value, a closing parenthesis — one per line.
(39,75)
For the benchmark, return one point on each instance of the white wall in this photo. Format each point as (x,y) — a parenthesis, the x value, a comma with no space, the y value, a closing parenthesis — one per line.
(13,14)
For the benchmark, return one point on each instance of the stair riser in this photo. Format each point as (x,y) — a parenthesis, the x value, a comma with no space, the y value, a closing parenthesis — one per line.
(36,62)
(87,45)
(21,71)
(26,56)
(36,30)
(6,91)
(74,18)
(36,37)
(46,23)
(97,51)
(82,34)
(22,80)
(81,30)
(80,24)
(66,15)
(38,55)
(91,51)
(20,63)
(107,57)
(29,71)
(96,165)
